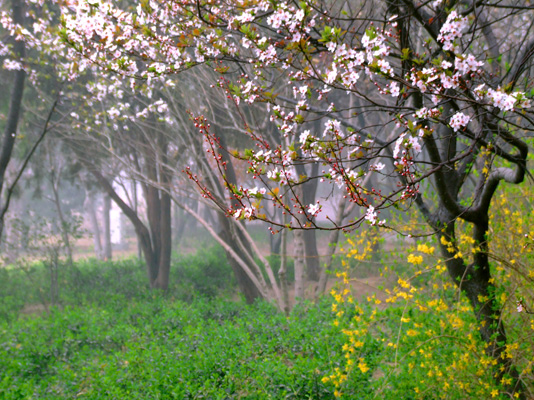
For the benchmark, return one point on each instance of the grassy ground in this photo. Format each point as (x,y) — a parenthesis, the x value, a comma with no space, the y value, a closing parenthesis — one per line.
(160,348)
(109,337)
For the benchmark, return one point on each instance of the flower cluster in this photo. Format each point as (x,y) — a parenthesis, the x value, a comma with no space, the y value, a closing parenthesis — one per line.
(451,30)
(500,99)
(459,121)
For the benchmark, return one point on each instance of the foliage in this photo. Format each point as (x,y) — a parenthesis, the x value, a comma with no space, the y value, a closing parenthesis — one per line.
(206,272)
(113,337)
(153,346)
(97,283)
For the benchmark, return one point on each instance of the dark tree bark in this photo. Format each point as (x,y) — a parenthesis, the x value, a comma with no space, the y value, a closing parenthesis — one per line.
(135,201)
(15,106)
(246,286)
(473,279)
(164,234)
(450,176)
(156,263)
(312,259)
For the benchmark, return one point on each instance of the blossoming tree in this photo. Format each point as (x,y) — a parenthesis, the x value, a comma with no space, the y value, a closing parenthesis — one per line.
(428,101)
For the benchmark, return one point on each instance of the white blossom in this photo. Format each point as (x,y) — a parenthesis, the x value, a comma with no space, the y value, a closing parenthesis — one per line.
(304,136)
(313,209)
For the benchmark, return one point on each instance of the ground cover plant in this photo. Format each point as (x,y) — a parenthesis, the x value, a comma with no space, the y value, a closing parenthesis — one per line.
(160,348)
(136,343)
(25,286)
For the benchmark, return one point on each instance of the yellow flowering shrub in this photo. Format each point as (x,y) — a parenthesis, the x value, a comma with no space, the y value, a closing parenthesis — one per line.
(425,333)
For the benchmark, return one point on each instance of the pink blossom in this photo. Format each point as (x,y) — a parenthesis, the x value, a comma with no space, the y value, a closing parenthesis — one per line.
(414,144)
(372,216)
(331,46)
(11,65)
(451,30)
(394,89)
(459,121)
(304,136)
(466,63)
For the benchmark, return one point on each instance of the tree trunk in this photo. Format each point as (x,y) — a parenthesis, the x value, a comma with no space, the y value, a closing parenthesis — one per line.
(135,200)
(240,260)
(180,220)
(61,217)
(164,266)
(282,272)
(156,240)
(53,268)
(275,244)
(332,245)
(245,283)
(107,227)
(141,230)
(165,223)
(475,281)
(15,106)
(312,260)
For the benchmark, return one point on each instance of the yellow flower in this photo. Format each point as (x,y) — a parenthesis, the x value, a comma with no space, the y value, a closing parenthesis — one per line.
(363,366)
(403,283)
(423,248)
(415,260)
(504,296)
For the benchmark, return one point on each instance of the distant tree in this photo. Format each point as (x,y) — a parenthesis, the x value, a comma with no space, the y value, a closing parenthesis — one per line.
(27,59)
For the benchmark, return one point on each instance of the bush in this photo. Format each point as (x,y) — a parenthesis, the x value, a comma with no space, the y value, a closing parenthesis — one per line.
(206,273)
(93,282)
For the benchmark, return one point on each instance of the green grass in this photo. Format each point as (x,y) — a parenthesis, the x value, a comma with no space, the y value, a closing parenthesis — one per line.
(160,348)
(110,337)
(91,282)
